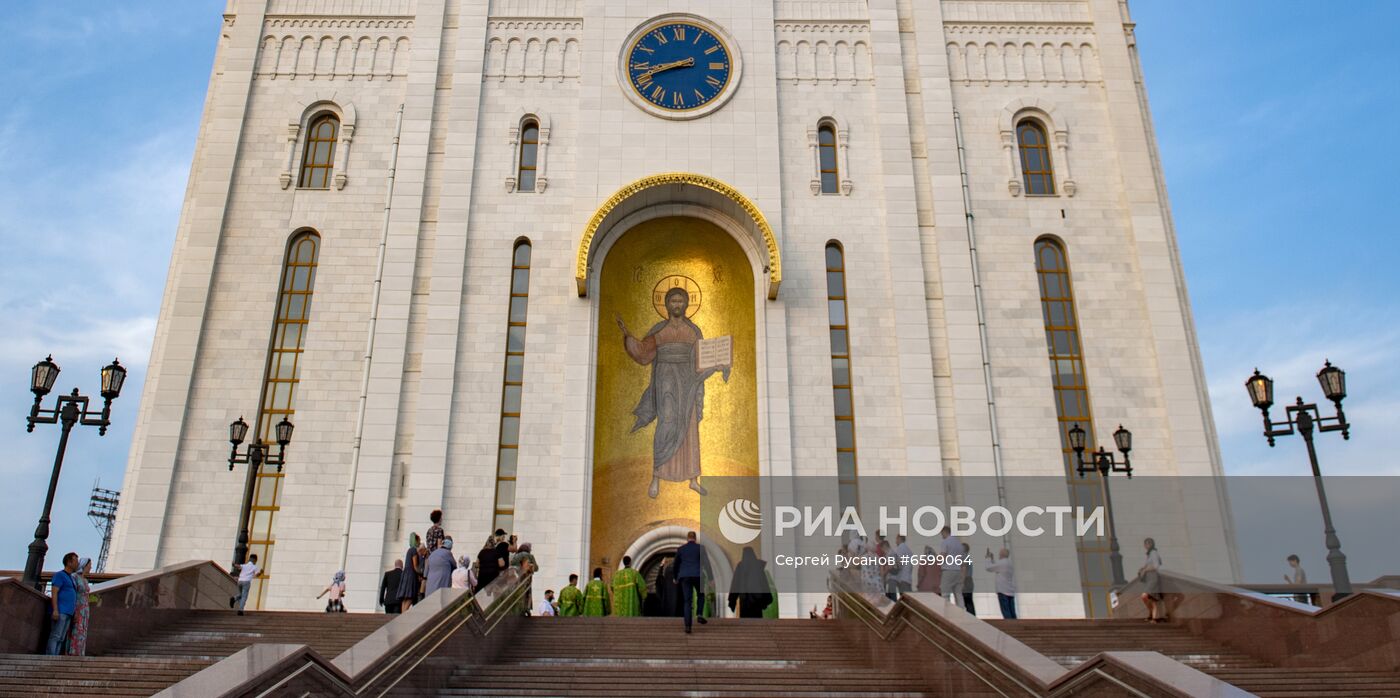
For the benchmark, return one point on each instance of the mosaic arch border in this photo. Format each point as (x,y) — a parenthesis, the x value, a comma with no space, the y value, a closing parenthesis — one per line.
(774,269)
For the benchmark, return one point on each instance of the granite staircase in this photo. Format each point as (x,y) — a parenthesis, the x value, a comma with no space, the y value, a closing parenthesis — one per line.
(153,660)
(1070,642)
(654,658)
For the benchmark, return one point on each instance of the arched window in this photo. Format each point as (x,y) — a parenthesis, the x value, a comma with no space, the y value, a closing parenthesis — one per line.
(529,155)
(1035,158)
(1072,408)
(317,159)
(512,385)
(842,398)
(826,158)
(282,377)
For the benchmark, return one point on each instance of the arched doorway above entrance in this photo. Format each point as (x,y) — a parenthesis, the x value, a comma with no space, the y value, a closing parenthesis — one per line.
(663,195)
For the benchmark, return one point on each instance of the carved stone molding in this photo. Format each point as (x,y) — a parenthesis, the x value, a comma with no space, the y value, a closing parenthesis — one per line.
(533,49)
(359,52)
(832,52)
(1004,60)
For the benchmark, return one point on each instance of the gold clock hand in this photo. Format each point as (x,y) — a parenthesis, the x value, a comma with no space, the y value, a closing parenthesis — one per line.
(667,66)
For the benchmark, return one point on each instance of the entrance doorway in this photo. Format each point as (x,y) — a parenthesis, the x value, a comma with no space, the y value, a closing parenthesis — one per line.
(663,594)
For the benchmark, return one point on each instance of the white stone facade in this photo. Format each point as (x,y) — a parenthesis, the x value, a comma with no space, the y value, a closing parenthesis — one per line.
(899,78)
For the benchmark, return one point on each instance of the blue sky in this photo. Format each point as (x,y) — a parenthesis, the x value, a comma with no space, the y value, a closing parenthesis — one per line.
(1270,117)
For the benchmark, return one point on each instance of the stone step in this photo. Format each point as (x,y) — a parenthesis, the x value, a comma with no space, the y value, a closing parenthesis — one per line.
(1070,642)
(29,675)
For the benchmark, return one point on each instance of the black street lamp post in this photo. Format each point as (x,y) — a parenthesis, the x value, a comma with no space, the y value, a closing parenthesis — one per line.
(254,456)
(1105,463)
(68,411)
(1306,418)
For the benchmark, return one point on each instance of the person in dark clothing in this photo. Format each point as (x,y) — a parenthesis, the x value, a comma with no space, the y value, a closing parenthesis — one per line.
(690,566)
(433,539)
(412,573)
(389,588)
(749,593)
(493,558)
(668,590)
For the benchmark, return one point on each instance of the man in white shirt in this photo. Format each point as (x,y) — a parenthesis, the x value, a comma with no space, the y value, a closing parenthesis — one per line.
(1005,582)
(1298,576)
(546,607)
(952,582)
(247,572)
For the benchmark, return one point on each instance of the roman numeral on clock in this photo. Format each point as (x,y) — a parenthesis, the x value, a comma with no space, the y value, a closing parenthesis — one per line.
(711,49)
(680,33)
(712,81)
(659,93)
(677,99)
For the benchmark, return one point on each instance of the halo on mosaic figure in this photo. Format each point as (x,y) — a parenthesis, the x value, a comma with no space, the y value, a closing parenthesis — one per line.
(664,287)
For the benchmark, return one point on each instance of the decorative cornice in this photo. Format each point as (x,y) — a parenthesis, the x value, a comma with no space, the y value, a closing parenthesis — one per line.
(811,27)
(1037,29)
(774,269)
(294,22)
(536,24)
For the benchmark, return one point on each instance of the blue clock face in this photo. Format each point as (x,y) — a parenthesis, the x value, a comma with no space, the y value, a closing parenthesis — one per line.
(679,66)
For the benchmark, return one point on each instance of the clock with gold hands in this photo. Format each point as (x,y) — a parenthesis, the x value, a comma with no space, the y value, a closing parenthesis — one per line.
(679,67)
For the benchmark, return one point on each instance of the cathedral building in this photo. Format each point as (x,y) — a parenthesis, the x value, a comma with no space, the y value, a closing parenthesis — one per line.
(546,265)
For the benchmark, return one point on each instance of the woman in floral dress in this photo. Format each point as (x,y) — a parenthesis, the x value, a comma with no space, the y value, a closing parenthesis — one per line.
(77,636)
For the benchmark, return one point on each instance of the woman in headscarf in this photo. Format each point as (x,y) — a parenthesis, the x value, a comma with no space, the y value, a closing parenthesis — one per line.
(337,591)
(78,632)
(439,568)
(462,576)
(412,572)
(749,593)
(524,558)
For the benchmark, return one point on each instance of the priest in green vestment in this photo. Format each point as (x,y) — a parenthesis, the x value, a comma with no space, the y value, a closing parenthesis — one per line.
(571,599)
(629,590)
(595,596)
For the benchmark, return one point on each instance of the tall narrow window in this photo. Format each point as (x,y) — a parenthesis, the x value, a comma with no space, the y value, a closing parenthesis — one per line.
(1035,158)
(1072,407)
(842,398)
(826,158)
(279,391)
(529,156)
(513,384)
(320,153)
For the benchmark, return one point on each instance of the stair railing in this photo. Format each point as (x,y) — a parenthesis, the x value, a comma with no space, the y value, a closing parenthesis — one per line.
(411,654)
(1362,631)
(960,654)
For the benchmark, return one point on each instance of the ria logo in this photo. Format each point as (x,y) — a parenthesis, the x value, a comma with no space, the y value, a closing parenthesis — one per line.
(740,521)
